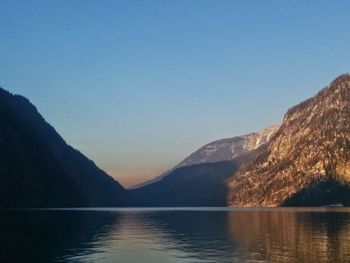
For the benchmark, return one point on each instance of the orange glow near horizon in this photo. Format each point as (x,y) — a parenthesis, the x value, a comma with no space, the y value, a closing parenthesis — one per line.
(130,178)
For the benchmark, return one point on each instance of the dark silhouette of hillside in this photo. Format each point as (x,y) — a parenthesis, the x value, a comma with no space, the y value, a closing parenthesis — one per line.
(39,169)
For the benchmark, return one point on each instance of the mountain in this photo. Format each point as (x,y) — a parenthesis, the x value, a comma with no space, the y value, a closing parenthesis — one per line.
(39,169)
(307,162)
(221,151)
(199,180)
(230,148)
(196,185)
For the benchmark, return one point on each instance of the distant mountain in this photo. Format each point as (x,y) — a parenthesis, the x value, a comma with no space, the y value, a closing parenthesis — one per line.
(222,150)
(196,185)
(307,162)
(38,168)
(230,148)
(199,180)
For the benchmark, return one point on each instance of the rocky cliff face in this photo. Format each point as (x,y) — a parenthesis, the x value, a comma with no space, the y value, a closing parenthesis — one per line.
(307,162)
(38,168)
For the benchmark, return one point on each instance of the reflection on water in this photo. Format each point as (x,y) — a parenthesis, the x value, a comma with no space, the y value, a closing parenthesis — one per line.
(209,235)
(46,236)
(291,236)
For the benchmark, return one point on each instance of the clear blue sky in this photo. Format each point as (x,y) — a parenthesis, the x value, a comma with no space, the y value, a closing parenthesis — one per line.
(138,85)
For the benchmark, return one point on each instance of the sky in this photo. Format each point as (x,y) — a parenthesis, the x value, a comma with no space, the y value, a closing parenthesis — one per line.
(139,85)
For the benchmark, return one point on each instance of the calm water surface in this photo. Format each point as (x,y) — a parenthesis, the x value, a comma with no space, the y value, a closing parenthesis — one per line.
(176,235)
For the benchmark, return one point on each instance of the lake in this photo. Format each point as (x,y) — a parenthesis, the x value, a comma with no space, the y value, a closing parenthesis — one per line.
(176,235)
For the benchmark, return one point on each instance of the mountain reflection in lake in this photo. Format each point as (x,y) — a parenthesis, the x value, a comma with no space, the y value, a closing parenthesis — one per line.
(180,235)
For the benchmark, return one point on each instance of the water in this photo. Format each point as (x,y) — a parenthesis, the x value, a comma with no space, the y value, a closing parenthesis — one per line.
(176,235)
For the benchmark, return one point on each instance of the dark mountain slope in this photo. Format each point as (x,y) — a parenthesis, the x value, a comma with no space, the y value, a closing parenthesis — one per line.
(197,185)
(38,168)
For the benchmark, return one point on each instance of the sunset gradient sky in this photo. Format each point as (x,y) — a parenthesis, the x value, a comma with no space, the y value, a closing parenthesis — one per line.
(139,85)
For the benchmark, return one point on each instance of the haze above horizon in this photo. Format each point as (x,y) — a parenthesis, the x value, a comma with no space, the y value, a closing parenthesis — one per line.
(139,85)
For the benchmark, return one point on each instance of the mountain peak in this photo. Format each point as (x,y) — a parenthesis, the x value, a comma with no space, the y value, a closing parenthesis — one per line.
(343,78)
(4,91)
(338,88)
(335,95)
